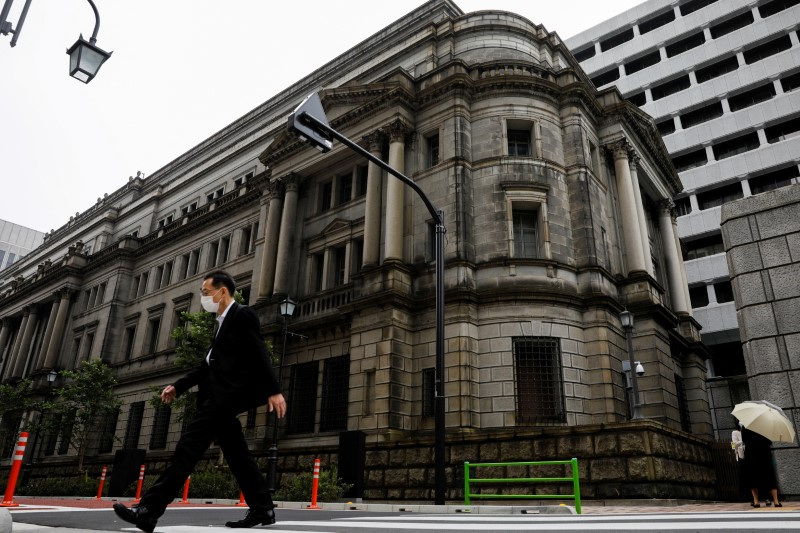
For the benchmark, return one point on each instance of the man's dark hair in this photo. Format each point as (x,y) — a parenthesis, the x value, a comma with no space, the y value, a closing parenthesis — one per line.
(220,278)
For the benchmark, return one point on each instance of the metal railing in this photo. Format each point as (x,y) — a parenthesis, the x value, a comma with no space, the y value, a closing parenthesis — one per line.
(576,495)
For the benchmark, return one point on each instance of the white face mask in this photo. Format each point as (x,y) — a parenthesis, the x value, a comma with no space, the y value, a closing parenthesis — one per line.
(209,304)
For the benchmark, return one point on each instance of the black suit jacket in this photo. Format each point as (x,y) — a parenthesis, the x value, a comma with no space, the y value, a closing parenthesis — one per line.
(240,375)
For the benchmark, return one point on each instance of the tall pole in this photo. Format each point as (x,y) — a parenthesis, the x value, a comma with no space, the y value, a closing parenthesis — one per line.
(637,407)
(272,458)
(315,123)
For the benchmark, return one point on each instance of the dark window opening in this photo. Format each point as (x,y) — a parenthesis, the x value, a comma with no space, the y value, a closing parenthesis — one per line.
(665,127)
(698,296)
(717,69)
(767,49)
(683,404)
(643,62)
(683,206)
(723,291)
(325,192)
(703,247)
(133,426)
(694,5)
(345,188)
(679,47)
(728,359)
(732,24)
(776,6)
(361,180)
(428,392)
(66,433)
(153,327)
(790,83)
(586,53)
(539,382)
(720,195)
(339,262)
(694,159)
(303,398)
(519,142)
(782,131)
(526,239)
(127,342)
(751,97)
(736,146)
(670,87)
(606,77)
(335,385)
(638,99)
(108,428)
(432,150)
(703,114)
(616,40)
(158,437)
(773,180)
(317,262)
(656,22)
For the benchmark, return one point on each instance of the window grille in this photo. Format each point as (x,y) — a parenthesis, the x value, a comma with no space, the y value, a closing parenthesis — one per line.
(108,429)
(782,131)
(134,425)
(339,262)
(335,386)
(691,160)
(790,83)
(539,380)
(428,392)
(303,398)
(158,436)
(720,195)
(683,206)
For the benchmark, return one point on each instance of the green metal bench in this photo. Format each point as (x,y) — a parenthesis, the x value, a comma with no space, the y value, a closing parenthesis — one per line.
(576,495)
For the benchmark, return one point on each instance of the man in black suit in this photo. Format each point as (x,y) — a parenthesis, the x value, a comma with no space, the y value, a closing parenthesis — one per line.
(236,375)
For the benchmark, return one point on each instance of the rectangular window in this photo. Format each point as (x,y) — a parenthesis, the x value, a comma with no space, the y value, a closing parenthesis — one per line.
(790,83)
(679,47)
(160,430)
(776,6)
(616,40)
(698,296)
(752,97)
(720,195)
(339,256)
(183,271)
(539,382)
(586,53)
(325,193)
(357,255)
(428,392)
(519,143)
(704,247)
(782,131)
(194,261)
(224,246)
(101,294)
(127,342)
(736,146)
(717,69)
(153,327)
(134,426)
(345,191)
(335,386)
(302,398)
(774,180)
(641,63)
(213,250)
(767,49)
(432,150)
(732,24)
(143,284)
(702,114)
(51,437)
(606,77)
(691,160)
(135,287)
(694,5)
(158,277)
(66,433)
(11,258)
(87,352)
(656,22)
(638,99)
(361,180)
(244,243)
(369,393)
(671,87)
(683,206)
(317,272)
(108,428)
(724,291)
(665,127)
(526,238)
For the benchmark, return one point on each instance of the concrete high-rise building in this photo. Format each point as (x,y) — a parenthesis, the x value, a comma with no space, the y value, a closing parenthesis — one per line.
(719,78)
(15,242)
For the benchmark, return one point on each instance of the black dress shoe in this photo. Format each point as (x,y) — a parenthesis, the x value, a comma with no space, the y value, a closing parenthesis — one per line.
(139,516)
(255,517)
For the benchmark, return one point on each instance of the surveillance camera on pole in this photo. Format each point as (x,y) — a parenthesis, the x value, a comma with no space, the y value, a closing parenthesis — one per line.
(305,129)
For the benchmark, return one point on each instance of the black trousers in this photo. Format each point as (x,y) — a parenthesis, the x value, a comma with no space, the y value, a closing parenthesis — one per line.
(210,423)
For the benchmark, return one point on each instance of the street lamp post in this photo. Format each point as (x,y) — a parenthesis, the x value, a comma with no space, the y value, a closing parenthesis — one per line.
(634,368)
(310,124)
(51,377)
(286,310)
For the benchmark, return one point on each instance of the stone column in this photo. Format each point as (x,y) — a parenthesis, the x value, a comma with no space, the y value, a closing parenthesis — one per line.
(627,203)
(271,229)
(12,354)
(5,333)
(48,333)
(682,265)
(25,344)
(60,323)
(286,238)
(395,193)
(633,161)
(674,278)
(372,211)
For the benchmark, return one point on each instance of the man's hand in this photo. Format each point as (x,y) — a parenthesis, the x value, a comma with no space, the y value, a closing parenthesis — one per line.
(275,403)
(168,394)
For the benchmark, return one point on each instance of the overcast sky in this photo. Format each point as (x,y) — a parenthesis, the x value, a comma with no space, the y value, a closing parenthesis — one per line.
(181,70)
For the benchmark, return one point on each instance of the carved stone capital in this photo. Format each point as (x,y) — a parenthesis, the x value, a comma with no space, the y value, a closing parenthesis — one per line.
(274,188)
(374,141)
(618,149)
(291,182)
(397,130)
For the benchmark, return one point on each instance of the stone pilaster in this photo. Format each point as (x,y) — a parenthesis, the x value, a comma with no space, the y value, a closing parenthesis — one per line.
(25,344)
(286,238)
(48,334)
(395,192)
(271,236)
(59,325)
(372,211)
(633,162)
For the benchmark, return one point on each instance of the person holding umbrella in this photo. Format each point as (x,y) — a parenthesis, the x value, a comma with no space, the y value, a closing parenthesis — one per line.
(762,424)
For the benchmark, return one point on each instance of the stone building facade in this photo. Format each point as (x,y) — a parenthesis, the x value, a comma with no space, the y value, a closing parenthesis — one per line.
(551,192)
(762,243)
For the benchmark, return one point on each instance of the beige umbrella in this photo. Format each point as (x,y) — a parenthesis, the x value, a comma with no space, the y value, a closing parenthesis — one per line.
(765,419)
